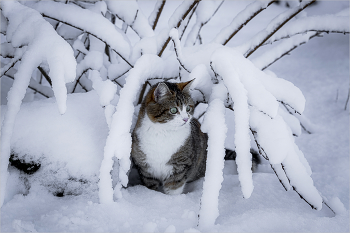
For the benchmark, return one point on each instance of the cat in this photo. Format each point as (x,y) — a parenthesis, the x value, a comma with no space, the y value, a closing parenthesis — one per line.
(168,148)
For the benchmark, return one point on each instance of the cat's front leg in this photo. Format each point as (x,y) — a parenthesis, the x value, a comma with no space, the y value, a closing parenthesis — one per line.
(175,184)
(149,181)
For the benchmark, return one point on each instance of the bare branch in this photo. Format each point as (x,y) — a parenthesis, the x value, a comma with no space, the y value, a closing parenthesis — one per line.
(47,77)
(77,81)
(266,60)
(143,90)
(32,85)
(347,100)
(8,66)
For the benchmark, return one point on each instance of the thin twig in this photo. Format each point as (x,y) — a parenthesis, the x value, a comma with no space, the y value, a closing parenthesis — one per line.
(178,51)
(347,100)
(290,50)
(47,77)
(30,87)
(77,81)
(290,112)
(14,61)
(188,20)
(294,188)
(142,93)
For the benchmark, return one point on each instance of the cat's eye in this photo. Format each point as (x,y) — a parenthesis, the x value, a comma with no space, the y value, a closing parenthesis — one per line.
(173,110)
(188,108)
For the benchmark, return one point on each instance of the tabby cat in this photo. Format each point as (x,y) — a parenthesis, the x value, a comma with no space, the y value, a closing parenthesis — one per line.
(168,148)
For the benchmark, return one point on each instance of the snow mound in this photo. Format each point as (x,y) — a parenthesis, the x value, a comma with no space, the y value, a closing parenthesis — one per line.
(68,147)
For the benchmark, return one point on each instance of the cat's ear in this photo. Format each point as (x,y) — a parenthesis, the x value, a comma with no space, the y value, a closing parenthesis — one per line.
(160,91)
(185,87)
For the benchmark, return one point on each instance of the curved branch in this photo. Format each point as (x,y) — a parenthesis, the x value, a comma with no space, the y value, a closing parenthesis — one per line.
(241,19)
(271,56)
(68,14)
(200,22)
(188,21)
(92,35)
(322,23)
(178,51)
(273,27)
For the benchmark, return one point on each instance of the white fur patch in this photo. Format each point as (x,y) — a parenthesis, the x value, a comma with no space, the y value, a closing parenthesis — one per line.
(159,141)
(175,191)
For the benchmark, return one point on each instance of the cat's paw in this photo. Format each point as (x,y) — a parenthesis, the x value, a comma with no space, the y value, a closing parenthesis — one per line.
(177,191)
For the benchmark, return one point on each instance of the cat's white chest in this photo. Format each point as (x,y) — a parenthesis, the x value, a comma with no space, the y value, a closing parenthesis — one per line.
(159,142)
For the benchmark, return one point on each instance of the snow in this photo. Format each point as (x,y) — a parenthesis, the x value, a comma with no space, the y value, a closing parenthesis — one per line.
(105,89)
(224,64)
(320,69)
(178,13)
(84,19)
(44,45)
(205,10)
(239,19)
(214,125)
(330,23)
(81,141)
(133,16)
(153,16)
(248,46)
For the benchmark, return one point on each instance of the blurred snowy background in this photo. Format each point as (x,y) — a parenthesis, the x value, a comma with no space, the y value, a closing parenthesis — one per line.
(63,194)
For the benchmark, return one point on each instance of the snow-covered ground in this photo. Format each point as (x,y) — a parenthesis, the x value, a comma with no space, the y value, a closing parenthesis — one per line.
(319,68)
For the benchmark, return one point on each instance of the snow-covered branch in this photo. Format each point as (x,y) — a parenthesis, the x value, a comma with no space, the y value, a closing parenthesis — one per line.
(241,19)
(174,35)
(283,150)
(320,23)
(257,41)
(177,17)
(186,21)
(223,62)
(154,17)
(204,12)
(88,21)
(133,17)
(282,49)
(213,124)
(38,88)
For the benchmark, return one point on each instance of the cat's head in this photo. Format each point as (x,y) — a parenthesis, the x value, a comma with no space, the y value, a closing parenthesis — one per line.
(170,103)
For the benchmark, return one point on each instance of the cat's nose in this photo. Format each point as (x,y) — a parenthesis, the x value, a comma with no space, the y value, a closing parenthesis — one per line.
(185,119)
